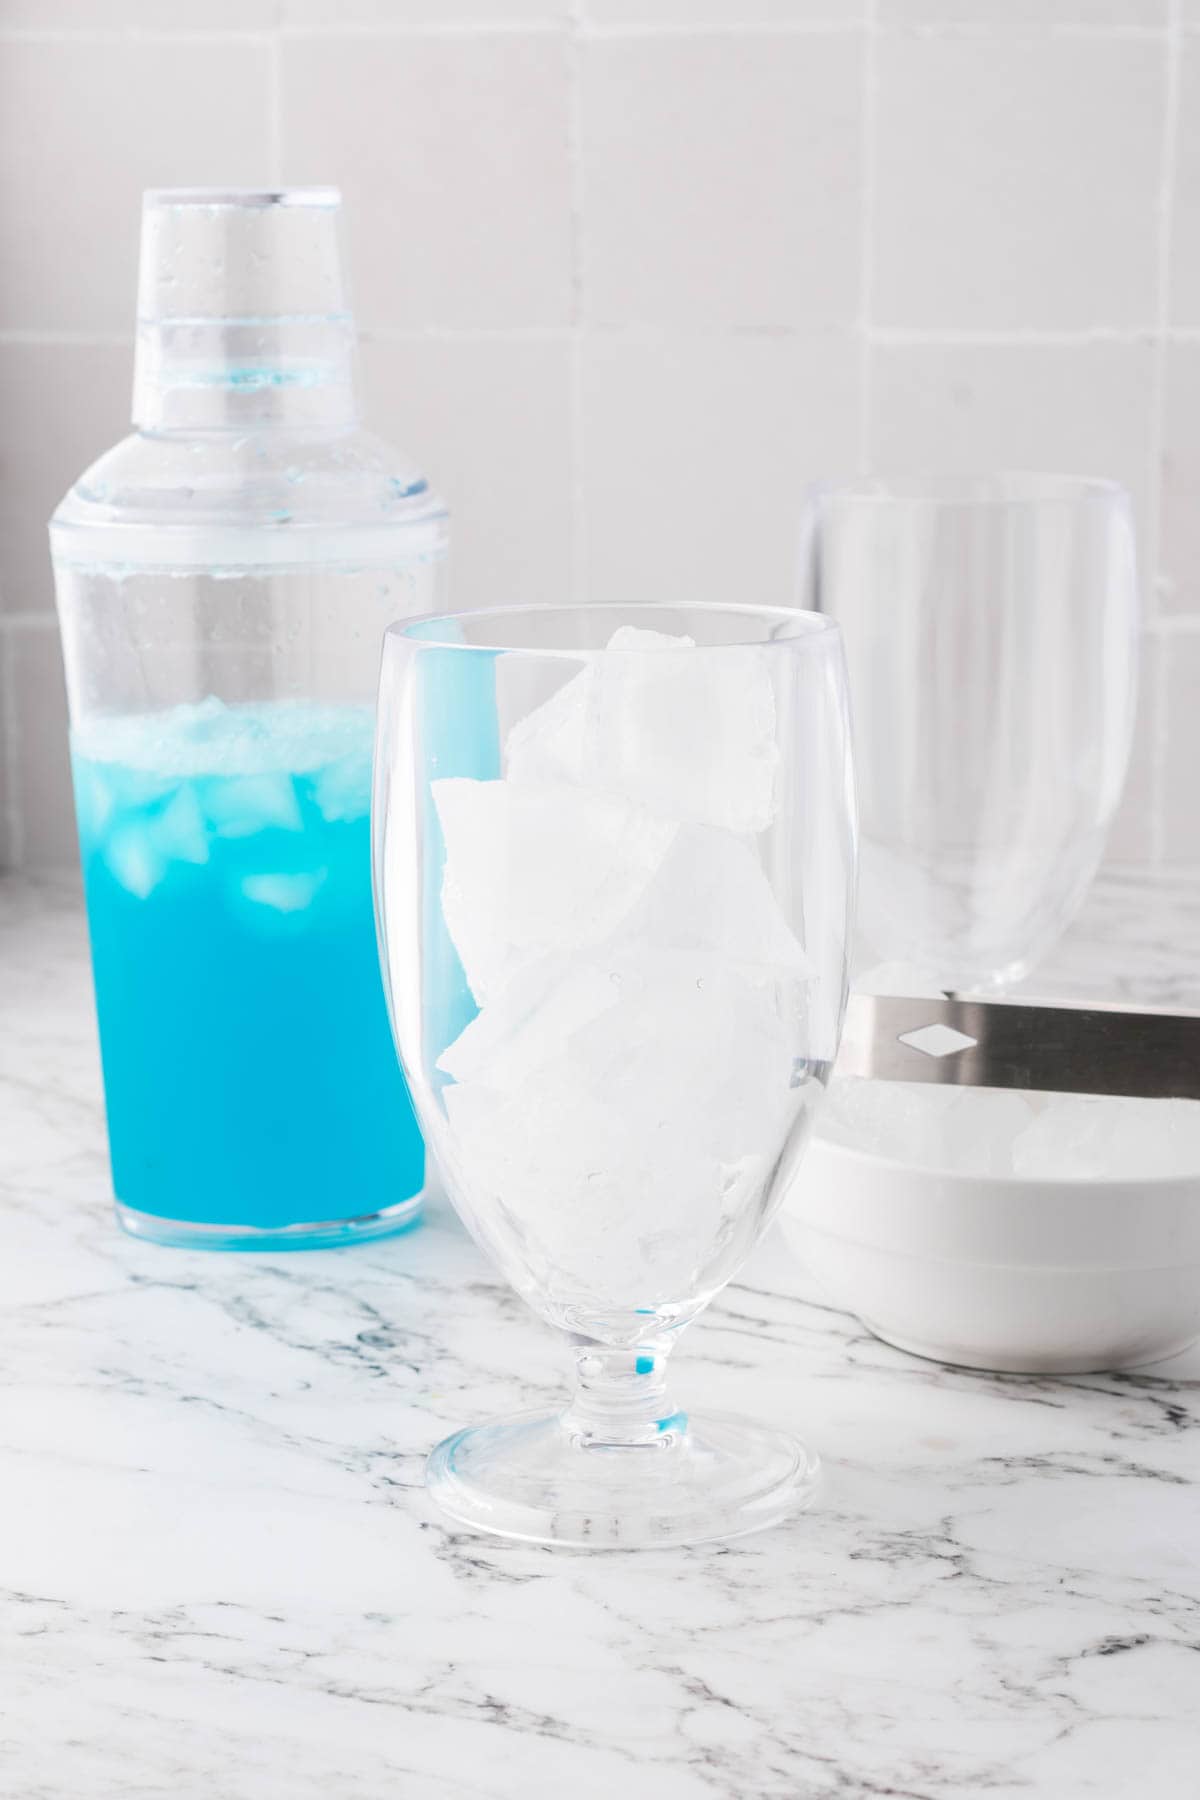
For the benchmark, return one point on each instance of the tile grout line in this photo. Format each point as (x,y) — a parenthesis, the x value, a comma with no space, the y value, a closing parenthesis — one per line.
(1025,31)
(866,235)
(44,620)
(880,336)
(577,527)
(8,720)
(833,26)
(1156,698)
(275,159)
(1070,337)
(36,337)
(699,28)
(1158,408)
(131,35)
(128,36)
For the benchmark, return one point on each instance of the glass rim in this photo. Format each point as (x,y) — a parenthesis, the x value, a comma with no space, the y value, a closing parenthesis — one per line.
(807,630)
(247,198)
(983,488)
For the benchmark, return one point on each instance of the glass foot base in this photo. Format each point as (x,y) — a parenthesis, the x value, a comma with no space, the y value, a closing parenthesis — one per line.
(320,1235)
(527,1477)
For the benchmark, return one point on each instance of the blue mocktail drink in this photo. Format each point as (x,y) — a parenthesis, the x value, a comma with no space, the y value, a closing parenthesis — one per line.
(249,1069)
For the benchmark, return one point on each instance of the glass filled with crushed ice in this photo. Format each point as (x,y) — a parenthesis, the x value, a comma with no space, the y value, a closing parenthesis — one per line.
(616,965)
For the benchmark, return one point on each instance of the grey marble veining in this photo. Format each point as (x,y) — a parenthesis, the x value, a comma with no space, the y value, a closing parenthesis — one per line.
(220,1578)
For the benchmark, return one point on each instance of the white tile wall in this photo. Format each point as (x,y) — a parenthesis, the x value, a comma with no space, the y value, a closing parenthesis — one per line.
(1016,182)
(490,417)
(720,175)
(1179,820)
(1101,13)
(631,272)
(96,17)
(85,125)
(694,450)
(42,821)
(1085,407)
(453,152)
(1185,224)
(1179,549)
(61,404)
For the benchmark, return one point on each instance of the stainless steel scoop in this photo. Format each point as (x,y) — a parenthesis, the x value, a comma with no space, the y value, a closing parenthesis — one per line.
(1061,1049)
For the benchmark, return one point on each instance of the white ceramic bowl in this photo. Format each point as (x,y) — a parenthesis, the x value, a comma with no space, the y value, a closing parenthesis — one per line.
(999,1272)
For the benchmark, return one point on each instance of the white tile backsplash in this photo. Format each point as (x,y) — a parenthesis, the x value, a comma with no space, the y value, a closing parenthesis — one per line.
(43,772)
(60,406)
(1180,806)
(695,453)
(632,271)
(1006,196)
(451,152)
(1021,13)
(1131,838)
(685,14)
(1185,210)
(1082,409)
(160,16)
(489,421)
(84,127)
(1179,558)
(721,179)
(393,15)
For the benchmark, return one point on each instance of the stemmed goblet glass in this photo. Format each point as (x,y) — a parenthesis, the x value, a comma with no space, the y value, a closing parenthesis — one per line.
(616,968)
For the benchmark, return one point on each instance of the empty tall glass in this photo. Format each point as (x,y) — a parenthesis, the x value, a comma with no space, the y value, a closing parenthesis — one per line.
(617,971)
(991,638)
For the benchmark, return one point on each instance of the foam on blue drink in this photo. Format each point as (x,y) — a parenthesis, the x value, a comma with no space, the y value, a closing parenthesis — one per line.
(249,1069)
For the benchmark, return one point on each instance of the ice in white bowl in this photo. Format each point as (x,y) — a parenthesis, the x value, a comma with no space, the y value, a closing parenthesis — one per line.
(1005,1230)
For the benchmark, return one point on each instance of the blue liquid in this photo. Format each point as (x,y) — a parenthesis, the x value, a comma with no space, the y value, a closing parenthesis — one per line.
(249,1070)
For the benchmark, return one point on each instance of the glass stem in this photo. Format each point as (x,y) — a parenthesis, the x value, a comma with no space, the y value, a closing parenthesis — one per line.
(621,1396)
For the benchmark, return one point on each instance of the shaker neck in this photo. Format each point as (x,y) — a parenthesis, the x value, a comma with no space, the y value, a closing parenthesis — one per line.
(243,316)
(236,374)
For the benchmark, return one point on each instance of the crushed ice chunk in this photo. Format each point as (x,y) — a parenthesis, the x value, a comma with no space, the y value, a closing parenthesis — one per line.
(694,1049)
(133,860)
(688,736)
(94,801)
(548,743)
(588,1204)
(959,1129)
(977,1133)
(712,893)
(284,893)
(240,805)
(342,790)
(1089,1137)
(179,831)
(531,1020)
(535,870)
(1001,1131)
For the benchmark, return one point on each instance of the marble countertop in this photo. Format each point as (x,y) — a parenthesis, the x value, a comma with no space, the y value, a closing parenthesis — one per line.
(221,1579)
